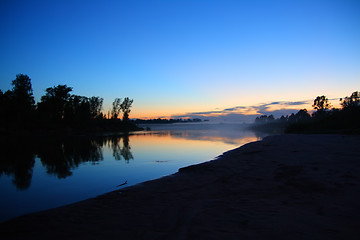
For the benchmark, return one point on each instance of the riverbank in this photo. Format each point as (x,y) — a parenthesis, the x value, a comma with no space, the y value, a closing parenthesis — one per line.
(102,127)
(287,186)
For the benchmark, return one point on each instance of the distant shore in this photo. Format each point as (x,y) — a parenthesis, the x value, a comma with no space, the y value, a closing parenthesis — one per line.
(283,187)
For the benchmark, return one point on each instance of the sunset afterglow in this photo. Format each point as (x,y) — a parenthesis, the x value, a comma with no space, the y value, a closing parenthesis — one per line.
(226,60)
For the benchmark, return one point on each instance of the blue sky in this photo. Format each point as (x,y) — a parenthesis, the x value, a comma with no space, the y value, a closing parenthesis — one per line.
(176,58)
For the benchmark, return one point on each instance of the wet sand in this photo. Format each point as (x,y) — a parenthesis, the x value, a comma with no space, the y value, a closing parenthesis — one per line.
(284,187)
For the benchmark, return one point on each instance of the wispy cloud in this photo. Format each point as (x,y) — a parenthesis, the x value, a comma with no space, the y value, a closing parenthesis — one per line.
(297,103)
(235,108)
(249,113)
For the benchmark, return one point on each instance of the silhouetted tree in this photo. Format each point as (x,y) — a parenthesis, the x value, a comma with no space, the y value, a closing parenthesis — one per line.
(126,108)
(8,110)
(321,103)
(283,118)
(292,118)
(53,103)
(2,107)
(96,106)
(57,109)
(324,120)
(2,101)
(264,119)
(77,109)
(17,105)
(302,116)
(352,101)
(22,90)
(22,97)
(116,109)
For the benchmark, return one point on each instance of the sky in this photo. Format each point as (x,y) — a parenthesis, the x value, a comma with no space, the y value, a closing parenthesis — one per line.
(230,60)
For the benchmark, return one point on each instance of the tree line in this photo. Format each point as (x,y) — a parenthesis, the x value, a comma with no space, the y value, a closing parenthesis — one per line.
(324,119)
(58,107)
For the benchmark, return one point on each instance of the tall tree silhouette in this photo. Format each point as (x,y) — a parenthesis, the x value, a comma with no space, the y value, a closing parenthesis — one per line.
(352,101)
(96,106)
(116,109)
(22,97)
(126,108)
(77,109)
(53,103)
(321,103)
(301,116)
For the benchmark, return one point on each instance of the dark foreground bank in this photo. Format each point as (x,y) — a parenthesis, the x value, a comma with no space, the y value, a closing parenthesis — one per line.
(284,187)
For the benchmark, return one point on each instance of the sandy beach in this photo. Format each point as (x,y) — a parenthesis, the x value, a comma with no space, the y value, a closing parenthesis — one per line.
(283,187)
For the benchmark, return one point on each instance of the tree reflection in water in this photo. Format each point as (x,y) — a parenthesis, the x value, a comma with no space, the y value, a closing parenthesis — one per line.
(119,151)
(19,166)
(58,155)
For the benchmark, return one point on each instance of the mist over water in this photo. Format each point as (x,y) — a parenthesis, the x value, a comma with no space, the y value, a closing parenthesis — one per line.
(37,174)
(231,133)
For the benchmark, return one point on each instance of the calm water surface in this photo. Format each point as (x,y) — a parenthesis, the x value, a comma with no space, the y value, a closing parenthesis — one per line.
(38,174)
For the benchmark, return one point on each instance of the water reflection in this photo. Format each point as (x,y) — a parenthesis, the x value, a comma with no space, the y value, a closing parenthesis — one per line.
(20,167)
(59,156)
(65,170)
(235,134)
(121,151)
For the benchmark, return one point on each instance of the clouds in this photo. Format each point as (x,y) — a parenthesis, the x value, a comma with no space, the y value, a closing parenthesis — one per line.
(249,113)
(282,107)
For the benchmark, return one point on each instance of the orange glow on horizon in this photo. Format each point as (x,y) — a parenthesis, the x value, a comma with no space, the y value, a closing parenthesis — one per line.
(168,113)
(154,140)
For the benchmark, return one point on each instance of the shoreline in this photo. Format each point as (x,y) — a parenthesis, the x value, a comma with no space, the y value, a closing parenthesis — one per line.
(285,186)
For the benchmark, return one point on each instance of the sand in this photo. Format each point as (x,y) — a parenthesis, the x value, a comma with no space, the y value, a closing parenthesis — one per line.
(284,187)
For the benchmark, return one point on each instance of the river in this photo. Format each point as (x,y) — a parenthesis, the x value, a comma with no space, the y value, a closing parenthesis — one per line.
(43,173)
